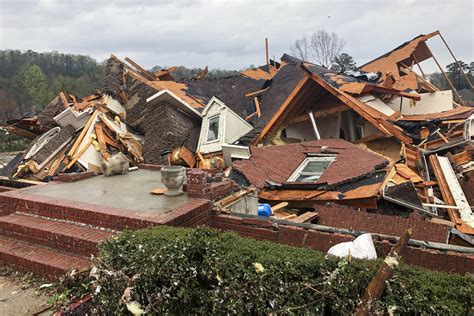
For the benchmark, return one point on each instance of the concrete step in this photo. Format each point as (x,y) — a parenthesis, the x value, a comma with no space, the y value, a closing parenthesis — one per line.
(39,260)
(64,236)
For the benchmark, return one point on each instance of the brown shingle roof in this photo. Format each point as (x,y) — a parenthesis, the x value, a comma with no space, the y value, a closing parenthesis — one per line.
(277,163)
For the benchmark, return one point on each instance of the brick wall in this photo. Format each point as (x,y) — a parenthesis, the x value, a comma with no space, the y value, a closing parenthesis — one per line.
(451,262)
(344,217)
(5,188)
(200,186)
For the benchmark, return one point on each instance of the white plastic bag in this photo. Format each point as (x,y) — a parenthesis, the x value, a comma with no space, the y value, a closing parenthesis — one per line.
(362,248)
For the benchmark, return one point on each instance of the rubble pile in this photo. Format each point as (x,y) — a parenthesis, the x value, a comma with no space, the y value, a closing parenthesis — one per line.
(381,139)
(82,135)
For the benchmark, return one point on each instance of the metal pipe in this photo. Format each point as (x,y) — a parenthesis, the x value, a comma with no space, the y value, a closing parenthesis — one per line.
(457,62)
(418,64)
(315,127)
(266,50)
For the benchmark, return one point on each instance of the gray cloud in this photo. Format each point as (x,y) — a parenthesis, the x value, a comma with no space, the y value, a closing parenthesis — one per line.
(228,34)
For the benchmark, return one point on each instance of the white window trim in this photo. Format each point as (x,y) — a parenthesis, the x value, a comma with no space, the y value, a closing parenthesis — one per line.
(303,165)
(218,129)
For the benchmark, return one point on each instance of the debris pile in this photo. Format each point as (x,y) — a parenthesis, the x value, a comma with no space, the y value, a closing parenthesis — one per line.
(380,139)
(82,135)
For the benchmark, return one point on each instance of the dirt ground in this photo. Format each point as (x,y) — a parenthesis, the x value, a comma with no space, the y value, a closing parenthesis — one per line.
(19,299)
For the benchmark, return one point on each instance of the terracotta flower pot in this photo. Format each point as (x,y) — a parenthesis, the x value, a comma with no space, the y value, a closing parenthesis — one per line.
(173,178)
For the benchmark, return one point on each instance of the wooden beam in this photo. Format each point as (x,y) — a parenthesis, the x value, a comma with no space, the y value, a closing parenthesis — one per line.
(250,116)
(307,216)
(302,99)
(255,93)
(266,51)
(102,141)
(321,113)
(78,155)
(444,188)
(145,72)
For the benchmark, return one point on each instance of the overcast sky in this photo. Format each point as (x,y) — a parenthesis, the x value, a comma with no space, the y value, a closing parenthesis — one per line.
(229,34)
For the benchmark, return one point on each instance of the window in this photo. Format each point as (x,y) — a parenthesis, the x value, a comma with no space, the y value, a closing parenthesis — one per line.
(311,169)
(213,129)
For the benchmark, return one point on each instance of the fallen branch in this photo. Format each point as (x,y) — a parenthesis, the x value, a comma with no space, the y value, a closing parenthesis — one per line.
(379,282)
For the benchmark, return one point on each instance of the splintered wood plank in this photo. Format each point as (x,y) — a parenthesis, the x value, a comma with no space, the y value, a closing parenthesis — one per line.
(407,173)
(257,105)
(305,217)
(63,98)
(79,139)
(255,93)
(145,72)
(187,156)
(102,142)
(280,214)
(279,206)
(78,155)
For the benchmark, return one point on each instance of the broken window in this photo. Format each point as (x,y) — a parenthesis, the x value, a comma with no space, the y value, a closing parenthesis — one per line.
(311,169)
(213,129)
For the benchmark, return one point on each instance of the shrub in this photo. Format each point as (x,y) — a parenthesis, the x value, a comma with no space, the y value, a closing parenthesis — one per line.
(165,270)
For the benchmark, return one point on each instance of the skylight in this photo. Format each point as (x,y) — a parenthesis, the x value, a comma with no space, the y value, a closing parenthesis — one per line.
(311,169)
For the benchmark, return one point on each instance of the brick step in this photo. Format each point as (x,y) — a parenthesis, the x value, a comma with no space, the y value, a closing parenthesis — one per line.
(39,260)
(89,214)
(69,237)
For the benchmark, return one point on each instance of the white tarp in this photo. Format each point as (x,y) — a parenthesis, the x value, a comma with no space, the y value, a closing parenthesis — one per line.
(362,248)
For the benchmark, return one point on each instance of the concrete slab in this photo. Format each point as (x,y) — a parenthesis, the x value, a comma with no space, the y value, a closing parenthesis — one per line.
(130,191)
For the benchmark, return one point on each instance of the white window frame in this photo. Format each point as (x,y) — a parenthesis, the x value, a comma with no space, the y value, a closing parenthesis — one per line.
(218,116)
(303,165)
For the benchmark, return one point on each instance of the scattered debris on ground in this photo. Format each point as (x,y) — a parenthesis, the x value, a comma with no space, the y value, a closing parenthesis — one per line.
(24,294)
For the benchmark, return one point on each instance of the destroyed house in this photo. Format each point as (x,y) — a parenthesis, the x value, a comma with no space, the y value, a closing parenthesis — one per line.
(334,155)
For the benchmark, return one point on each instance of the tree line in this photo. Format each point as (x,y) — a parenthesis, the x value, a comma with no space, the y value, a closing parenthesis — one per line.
(29,80)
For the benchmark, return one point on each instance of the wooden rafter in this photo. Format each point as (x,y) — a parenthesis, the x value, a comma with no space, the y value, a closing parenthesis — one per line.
(376,118)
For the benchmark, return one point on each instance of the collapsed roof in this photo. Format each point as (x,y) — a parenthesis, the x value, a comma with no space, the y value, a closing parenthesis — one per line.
(354,173)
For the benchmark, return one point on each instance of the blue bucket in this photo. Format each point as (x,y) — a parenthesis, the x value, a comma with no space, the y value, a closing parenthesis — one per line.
(264,210)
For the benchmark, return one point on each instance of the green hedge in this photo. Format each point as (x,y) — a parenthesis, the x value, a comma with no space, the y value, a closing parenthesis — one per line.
(190,271)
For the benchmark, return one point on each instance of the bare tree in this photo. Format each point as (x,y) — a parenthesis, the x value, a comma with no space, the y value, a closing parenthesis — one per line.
(322,47)
(300,48)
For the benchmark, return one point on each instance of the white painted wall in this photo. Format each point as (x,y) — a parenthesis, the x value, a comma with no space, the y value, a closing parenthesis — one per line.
(231,126)
(432,102)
